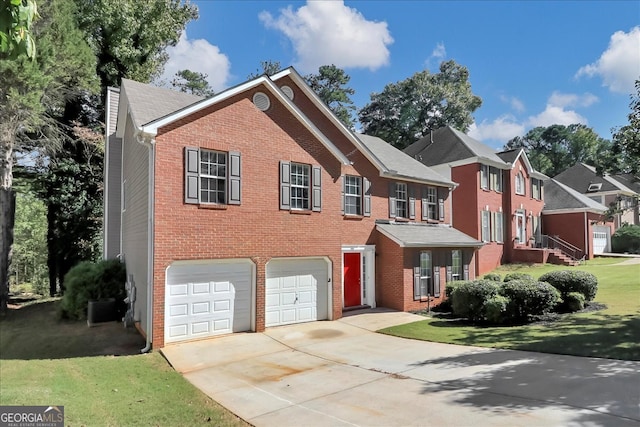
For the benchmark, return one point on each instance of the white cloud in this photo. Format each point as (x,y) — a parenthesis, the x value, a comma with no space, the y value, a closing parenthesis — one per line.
(619,65)
(328,32)
(557,112)
(200,56)
(572,100)
(501,129)
(514,102)
(438,54)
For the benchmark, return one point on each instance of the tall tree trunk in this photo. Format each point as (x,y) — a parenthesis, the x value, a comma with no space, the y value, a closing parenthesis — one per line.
(7,212)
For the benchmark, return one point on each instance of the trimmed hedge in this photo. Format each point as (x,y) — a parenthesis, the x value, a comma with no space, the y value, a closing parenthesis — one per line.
(528,298)
(492,276)
(496,309)
(92,281)
(518,276)
(468,299)
(567,281)
(626,239)
(574,301)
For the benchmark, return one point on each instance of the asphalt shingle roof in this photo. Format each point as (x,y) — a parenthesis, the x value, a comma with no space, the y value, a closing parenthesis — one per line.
(559,196)
(449,145)
(148,103)
(580,176)
(399,163)
(427,235)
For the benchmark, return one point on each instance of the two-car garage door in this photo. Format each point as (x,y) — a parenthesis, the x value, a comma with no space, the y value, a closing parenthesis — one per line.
(204,299)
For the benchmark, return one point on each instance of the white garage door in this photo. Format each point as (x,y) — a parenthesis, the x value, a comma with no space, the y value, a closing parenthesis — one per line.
(600,239)
(207,299)
(296,291)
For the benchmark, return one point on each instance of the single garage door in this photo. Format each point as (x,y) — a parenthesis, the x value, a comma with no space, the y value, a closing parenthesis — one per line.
(207,299)
(600,239)
(297,290)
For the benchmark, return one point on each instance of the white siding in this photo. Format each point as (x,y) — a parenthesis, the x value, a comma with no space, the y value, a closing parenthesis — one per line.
(112,179)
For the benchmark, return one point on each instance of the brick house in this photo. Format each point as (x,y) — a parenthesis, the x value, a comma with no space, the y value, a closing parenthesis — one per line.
(257,207)
(499,200)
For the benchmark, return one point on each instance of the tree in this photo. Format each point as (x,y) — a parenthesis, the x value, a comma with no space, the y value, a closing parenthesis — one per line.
(330,85)
(16,19)
(192,82)
(130,37)
(407,110)
(625,150)
(553,149)
(267,67)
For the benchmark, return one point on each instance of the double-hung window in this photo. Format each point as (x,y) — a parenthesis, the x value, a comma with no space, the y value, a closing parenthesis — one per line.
(401,200)
(212,177)
(300,187)
(426,277)
(352,195)
(536,189)
(432,203)
(484,177)
(497,227)
(486,228)
(456,264)
(520,183)
(495,177)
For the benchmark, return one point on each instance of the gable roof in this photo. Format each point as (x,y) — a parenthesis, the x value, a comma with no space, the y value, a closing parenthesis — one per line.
(448,145)
(399,165)
(580,176)
(512,156)
(413,235)
(559,197)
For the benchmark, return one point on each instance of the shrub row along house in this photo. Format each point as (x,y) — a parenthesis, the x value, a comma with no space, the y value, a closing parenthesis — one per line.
(257,207)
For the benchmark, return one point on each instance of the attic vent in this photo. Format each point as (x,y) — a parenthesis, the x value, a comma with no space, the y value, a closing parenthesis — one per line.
(261,101)
(287,91)
(595,187)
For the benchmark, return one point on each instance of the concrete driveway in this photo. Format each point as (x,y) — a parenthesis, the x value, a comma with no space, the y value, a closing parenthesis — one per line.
(342,373)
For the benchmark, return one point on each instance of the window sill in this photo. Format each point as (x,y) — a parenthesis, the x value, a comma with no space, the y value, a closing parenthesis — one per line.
(212,206)
(300,212)
(354,217)
(432,221)
(398,219)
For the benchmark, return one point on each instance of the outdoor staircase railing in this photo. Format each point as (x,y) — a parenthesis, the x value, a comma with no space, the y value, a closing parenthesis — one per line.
(555,242)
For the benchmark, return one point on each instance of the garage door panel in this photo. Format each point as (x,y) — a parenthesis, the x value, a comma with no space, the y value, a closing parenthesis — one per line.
(207,299)
(292,288)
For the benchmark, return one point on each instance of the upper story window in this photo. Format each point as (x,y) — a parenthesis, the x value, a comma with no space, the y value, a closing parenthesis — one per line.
(300,187)
(212,177)
(485,219)
(401,200)
(484,177)
(495,179)
(536,188)
(595,186)
(356,196)
(520,183)
(431,202)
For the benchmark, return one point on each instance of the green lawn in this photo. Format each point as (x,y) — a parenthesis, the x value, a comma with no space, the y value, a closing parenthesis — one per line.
(97,374)
(611,333)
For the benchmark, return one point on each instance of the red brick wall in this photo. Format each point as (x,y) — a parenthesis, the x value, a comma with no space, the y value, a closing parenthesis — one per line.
(575,228)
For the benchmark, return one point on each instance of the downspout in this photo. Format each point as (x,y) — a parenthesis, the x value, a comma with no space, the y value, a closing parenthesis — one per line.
(586,236)
(149,141)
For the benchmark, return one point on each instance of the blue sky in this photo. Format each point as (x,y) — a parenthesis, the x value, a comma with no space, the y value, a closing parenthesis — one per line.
(532,63)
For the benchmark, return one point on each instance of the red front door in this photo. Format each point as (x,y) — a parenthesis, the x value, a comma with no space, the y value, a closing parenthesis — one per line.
(352,283)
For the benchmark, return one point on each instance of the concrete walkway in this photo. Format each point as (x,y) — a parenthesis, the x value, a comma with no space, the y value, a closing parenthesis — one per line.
(341,373)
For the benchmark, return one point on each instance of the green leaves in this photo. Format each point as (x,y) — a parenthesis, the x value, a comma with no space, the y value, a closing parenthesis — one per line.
(16,19)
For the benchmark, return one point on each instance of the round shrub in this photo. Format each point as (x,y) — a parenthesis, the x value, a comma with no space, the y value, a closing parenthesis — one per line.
(450,286)
(567,281)
(492,276)
(496,308)
(574,301)
(626,239)
(529,298)
(468,299)
(518,276)
(92,281)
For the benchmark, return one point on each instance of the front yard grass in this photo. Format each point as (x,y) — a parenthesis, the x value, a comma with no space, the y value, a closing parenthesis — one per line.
(97,374)
(611,333)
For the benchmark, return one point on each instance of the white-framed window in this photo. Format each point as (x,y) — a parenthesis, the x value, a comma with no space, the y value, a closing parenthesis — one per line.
(432,203)
(485,226)
(401,200)
(352,195)
(484,177)
(456,264)
(595,186)
(520,183)
(497,227)
(536,189)
(300,186)
(426,274)
(212,177)
(495,179)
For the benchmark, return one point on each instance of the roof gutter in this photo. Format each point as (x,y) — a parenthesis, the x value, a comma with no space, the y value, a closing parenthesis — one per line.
(396,175)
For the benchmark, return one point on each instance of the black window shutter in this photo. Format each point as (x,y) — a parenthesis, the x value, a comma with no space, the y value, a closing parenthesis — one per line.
(366,192)
(416,283)
(285,185)
(343,182)
(412,202)
(442,193)
(235,183)
(392,200)
(316,183)
(191,171)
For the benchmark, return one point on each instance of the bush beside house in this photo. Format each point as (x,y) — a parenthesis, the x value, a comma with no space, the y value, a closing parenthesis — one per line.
(626,239)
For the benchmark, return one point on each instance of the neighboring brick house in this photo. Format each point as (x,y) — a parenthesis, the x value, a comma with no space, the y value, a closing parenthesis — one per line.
(257,207)
(618,190)
(499,199)
(581,221)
